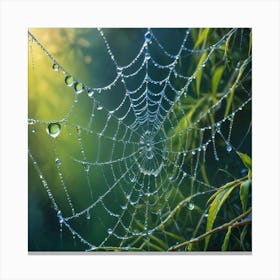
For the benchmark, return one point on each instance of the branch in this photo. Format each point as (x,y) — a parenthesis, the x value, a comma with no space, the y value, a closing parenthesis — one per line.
(232,223)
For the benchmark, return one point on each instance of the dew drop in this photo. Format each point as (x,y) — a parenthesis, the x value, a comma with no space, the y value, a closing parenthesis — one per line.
(88,215)
(148,56)
(149,154)
(148,36)
(86,166)
(119,70)
(78,87)
(110,231)
(204,148)
(90,93)
(218,127)
(99,107)
(193,152)
(229,148)
(69,81)
(58,161)
(54,129)
(190,205)
(132,177)
(124,207)
(31,121)
(55,67)
(33,130)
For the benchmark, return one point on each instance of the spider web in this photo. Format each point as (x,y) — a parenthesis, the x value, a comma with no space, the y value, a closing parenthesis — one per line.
(125,166)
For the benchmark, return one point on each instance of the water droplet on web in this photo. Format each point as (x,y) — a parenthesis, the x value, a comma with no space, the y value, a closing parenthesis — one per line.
(54,129)
(132,177)
(204,148)
(119,70)
(148,56)
(86,166)
(218,127)
(206,215)
(55,67)
(90,93)
(78,87)
(193,152)
(59,215)
(99,107)
(88,215)
(33,130)
(149,154)
(69,81)
(58,161)
(148,36)
(110,231)
(124,207)
(229,148)
(190,205)
(31,121)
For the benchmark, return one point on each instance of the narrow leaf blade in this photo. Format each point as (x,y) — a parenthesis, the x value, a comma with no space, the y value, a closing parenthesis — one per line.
(226,240)
(244,191)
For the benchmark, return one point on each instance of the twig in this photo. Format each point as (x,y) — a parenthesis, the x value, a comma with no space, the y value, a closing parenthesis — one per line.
(232,223)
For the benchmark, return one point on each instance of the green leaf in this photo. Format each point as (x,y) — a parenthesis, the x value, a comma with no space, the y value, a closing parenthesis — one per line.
(199,73)
(214,209)
(231,94)
(226,240)
(242,236)
(203,36)
(215,82)
(246,160)
(244,191)
(226,186)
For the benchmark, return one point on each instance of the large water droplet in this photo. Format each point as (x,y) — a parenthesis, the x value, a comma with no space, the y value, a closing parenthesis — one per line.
(229,148)
(54,129)
(110,231)
(190,205)
(55,67)
(69,81)
(78,87)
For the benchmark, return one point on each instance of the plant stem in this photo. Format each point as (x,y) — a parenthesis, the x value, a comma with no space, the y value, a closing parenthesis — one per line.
(232,223)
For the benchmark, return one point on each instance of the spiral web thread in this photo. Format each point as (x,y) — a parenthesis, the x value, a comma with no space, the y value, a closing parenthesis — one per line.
(147,161)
